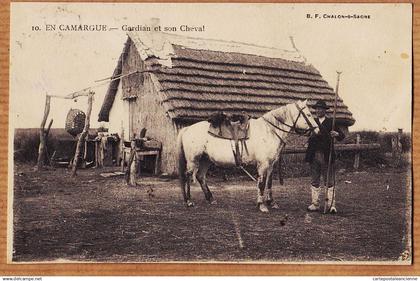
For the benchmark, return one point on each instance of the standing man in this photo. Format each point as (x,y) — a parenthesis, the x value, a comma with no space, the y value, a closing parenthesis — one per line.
(317,155)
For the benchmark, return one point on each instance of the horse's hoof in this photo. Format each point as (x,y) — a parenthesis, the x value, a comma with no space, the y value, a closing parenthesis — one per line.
(313,208)
(213,202)
(275,206)
(263,208)
(190,204)
(333,210)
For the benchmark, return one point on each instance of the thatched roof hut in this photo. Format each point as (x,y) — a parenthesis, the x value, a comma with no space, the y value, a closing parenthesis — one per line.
(182,80)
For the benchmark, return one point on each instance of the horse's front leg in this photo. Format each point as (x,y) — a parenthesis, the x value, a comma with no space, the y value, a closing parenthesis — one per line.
(269,193)
(261,182)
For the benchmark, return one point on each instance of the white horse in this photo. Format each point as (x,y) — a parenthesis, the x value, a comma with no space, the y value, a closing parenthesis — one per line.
(197,149)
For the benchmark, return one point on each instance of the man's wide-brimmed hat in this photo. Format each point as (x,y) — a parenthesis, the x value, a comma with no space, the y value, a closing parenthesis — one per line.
(320,104)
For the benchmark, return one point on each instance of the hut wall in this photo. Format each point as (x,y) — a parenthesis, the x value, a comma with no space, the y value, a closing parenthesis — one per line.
(148,112)
(132,85)
(119,116)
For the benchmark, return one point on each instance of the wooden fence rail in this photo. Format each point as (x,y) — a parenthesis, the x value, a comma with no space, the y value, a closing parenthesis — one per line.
(356,147)
(338,147)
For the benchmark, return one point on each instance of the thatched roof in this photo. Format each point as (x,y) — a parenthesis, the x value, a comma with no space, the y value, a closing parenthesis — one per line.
(199,81)
(113,86)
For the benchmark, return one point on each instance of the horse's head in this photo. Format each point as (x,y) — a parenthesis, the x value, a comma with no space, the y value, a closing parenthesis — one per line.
(304,122)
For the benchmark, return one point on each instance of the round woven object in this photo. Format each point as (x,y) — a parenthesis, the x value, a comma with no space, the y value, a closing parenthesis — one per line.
(75,122)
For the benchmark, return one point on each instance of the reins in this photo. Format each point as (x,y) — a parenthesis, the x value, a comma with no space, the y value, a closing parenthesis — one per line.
(277,127)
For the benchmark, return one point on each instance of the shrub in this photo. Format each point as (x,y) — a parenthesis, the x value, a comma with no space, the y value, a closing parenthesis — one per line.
(26,143)
(380,157)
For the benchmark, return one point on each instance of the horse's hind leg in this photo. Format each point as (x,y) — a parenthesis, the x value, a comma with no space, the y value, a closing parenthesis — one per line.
(188,200)
(202,179)
(269,192)
(187,192)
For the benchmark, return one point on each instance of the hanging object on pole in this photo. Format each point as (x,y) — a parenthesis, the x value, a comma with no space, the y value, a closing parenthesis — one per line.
(75,121)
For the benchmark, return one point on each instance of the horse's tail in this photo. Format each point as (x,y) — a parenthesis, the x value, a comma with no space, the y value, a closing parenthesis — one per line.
(182,162)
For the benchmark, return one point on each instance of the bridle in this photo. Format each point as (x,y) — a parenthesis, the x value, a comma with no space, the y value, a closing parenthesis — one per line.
(293,126)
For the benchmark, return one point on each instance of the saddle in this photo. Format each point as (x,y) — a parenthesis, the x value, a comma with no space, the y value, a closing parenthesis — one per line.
(231,127)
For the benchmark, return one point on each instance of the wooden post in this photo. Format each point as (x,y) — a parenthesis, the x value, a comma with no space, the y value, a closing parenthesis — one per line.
(399,138)
(99,151)
(47,131)
(107,151)
(122,160)
(96,154)
(42,134)
(122,154)
(83,162)
(357,155)
(397,148)
(157,159)
(131,173)
(47,154)
(394,146)
(83,135)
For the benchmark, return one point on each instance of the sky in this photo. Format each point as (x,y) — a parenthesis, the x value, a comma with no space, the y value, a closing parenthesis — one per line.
(374,55)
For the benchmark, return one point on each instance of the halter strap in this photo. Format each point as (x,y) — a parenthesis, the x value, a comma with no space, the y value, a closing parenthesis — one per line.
(291,127)
(308,122)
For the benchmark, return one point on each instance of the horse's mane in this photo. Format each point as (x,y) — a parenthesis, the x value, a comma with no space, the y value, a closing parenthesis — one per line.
(278,115)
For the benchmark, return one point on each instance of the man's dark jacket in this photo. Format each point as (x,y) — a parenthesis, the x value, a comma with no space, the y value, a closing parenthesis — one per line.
(321,142)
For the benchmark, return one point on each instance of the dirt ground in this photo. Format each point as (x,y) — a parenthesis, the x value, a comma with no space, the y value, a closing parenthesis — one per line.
(91,218)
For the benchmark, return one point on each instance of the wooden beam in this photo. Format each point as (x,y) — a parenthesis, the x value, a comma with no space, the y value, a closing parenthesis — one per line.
(357,147)
(73,95)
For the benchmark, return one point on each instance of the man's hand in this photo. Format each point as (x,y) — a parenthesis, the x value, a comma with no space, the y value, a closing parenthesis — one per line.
(334,134)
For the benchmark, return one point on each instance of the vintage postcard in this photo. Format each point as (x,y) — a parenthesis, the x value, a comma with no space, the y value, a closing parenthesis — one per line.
(236,133)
